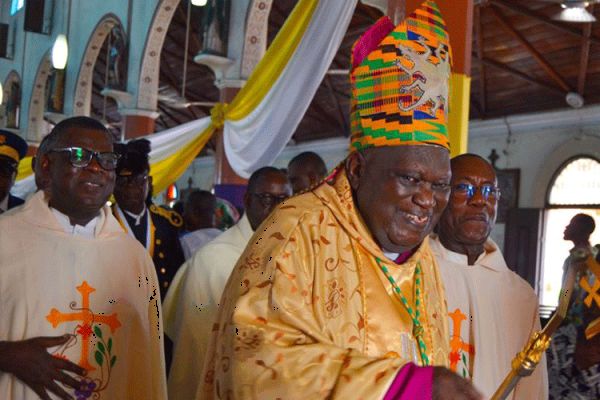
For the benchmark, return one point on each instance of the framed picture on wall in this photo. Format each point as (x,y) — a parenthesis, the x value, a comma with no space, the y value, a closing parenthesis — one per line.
(508,182)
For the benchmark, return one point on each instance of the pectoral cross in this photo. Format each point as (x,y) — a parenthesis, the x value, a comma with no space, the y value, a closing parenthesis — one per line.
(87,318)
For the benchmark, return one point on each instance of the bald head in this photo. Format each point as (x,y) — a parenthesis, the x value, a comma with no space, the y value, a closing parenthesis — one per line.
(306,170)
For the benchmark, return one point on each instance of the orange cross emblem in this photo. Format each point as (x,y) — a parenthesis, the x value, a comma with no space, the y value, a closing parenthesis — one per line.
(457,346)
(87,318)
(592,292)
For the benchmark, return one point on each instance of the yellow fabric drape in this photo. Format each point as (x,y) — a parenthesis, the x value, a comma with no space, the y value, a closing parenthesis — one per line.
(273,62)
(24,169)
(458,116)
(167,171)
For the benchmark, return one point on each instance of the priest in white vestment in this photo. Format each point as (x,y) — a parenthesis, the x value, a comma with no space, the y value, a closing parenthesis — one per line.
(191,304)
(77,294)
(492,311)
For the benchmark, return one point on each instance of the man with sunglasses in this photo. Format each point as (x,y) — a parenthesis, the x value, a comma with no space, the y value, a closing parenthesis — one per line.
(12,149)
(190,307)
(492,311)
(156,228)
(80,311)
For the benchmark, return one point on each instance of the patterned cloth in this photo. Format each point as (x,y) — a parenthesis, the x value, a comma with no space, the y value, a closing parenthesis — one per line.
(400,83)
(570,350)
(308,314)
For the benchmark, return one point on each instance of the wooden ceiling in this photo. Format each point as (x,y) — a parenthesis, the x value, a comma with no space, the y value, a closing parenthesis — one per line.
(523,61)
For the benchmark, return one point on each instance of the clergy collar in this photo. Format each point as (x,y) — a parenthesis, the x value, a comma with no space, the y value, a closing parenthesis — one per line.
(137,217)
(490,258)
(87,231)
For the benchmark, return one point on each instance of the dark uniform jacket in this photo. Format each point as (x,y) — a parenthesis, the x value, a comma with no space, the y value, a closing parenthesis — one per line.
(164,248)
(14,201)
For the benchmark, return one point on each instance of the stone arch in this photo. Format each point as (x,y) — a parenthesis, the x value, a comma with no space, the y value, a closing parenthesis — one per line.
(147,95)
(570,149)
(13,76)
(35,126)
(83,88)
(255,35)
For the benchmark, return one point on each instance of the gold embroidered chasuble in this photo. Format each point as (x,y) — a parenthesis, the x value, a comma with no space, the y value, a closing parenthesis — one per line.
(307,313)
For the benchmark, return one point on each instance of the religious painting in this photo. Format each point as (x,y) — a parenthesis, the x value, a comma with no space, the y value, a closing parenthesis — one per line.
(508,182)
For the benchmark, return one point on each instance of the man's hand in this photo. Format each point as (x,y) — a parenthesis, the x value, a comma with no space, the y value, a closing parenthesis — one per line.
(30,362)
(448,385)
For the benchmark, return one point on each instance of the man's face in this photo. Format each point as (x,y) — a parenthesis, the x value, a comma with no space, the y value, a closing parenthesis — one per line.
(301,177)
(8,172)
(131,191)
(400,192)
(269,191)
(79,192)
(469,220)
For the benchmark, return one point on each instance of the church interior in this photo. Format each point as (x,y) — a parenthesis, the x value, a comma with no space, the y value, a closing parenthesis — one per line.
(198,78)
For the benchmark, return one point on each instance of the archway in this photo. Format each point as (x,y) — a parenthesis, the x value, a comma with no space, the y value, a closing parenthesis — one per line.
(12,101)
(574,189)
(37,127)
(83,87)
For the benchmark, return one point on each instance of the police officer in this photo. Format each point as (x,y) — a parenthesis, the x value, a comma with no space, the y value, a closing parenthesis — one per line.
(12,149)
(154,227)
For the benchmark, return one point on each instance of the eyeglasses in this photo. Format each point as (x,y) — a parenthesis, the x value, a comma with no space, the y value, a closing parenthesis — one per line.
(81,158)
(269,200)
(7,169)
(138,179)
(488,192)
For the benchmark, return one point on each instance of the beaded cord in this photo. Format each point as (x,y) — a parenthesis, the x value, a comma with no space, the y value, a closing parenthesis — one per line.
(418,330)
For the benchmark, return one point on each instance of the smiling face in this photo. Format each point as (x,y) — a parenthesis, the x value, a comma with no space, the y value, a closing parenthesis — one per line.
(400,192)
(79,193)
(468,222)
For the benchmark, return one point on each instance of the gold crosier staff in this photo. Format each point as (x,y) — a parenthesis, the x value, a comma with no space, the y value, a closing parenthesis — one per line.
(525,361)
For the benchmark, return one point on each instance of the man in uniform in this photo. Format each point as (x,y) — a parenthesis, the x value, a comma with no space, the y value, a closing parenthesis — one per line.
(337,294)
(192,303)
(492,311)
(154,227)
(306,170)
(68,269)
(12,150)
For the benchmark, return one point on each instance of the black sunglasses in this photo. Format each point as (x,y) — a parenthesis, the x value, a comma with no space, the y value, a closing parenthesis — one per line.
(81,158)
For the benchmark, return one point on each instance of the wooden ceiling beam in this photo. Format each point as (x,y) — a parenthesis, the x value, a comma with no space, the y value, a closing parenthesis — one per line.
(479,35)
(341,115)
(585,55)
(540,18)
(520,75)
(534,53)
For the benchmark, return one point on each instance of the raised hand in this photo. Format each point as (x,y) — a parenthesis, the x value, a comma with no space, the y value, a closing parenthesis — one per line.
(31,363)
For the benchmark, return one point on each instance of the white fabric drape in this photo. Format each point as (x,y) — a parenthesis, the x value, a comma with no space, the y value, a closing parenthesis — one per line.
(166,143)
(257,140)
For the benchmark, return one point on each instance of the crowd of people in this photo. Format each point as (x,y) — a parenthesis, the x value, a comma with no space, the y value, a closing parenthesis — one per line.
(375,280)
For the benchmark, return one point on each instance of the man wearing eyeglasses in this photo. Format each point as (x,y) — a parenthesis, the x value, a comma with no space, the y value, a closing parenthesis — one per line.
(337,295)
(492,311)
(192,303)
(80,313)
(12,150)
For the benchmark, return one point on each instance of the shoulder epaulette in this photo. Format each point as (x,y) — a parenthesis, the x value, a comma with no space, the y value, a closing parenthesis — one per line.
(172,216)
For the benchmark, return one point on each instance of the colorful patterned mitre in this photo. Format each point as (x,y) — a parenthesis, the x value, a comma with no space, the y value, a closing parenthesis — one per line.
(400,79)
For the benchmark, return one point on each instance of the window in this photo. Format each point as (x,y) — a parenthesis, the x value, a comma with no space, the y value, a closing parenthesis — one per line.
(575,189)
(15,6)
